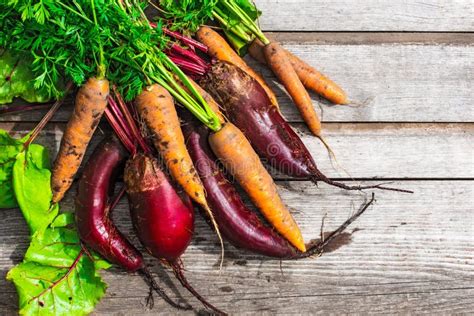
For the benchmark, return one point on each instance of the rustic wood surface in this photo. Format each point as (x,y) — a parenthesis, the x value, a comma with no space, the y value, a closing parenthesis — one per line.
(409,253)
(367,15)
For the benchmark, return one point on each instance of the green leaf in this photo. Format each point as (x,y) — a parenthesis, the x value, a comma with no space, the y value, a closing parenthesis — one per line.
(31,184)
(58,247)
(57,277)
(47,290)
(9,149)
(249,8)
(17,80)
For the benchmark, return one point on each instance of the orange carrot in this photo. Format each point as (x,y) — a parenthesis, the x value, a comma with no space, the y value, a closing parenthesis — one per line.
(221,50)
(156,107)
(230,145)
(278,61)
(91,101)
(310,77)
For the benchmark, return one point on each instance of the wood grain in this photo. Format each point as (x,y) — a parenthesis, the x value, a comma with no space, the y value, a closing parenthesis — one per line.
(416,80)
(367,15)
(408,253)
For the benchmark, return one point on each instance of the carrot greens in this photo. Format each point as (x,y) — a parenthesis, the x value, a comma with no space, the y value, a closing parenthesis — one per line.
(73,40)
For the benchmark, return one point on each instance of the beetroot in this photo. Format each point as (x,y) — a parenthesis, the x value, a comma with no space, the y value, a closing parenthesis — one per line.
(92,207)
(163,220)
(249,108)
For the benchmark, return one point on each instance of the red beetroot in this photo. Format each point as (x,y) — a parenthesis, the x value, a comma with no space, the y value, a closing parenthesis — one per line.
(249,108)
(93,207)
(163,220)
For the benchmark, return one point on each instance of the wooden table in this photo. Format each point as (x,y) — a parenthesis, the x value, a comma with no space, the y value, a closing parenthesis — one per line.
(410,64)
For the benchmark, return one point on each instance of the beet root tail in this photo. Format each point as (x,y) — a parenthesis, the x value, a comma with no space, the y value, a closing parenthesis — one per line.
(178,272)
(154,287)
(320,177)
(318,249)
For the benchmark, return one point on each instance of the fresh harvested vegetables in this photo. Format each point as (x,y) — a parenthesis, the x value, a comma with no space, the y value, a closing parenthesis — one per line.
(163,221)
(237,19)
(93,207)
(238,224)
(91,101)
(156,107)
(75,40)
(239,158)
(245,157)
(218,48)
(249,108)
(310,77)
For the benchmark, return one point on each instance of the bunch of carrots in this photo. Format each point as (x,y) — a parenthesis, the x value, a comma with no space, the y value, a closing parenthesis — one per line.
(230,115)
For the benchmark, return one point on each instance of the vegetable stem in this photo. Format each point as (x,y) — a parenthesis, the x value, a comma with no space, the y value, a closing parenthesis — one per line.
(101,65)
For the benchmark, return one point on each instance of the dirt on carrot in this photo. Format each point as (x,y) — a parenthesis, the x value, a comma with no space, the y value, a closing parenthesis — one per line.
(91,101)
(221,50)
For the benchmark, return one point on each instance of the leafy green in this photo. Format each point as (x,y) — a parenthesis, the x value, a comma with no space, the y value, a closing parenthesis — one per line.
(72,40)
(9,149)
(16,79)
(31,183)
(234,16)
(188,15)
(57,276)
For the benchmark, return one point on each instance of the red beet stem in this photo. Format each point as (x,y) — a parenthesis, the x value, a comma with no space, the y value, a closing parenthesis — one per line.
(186,40)
(189,54)
(188,67)
(131,121)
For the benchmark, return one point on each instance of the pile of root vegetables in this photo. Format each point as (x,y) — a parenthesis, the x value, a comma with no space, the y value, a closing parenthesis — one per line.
(191,120)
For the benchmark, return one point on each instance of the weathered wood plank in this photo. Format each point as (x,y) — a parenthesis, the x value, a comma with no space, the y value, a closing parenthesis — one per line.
(407,253)
(412,81)
(369,15)
(364,150)
(390,82)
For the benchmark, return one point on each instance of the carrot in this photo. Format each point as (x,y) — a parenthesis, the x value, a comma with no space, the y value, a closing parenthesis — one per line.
(239,158)
(310,77)
(91,101)
(156,107)
(278,61)
(221,50)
